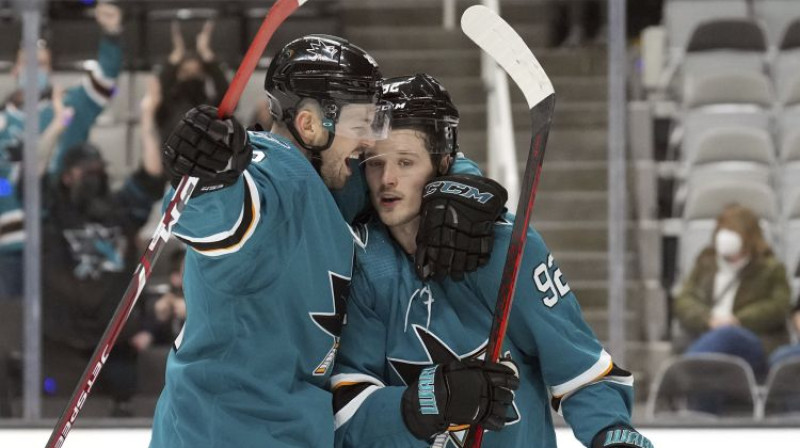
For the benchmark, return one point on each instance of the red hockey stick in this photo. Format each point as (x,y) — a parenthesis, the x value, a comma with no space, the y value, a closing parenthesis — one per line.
(504,45)
(277,14)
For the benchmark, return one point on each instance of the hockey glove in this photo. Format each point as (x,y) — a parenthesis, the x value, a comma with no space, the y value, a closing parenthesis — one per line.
(620,436)
(203,146)
(456,230)
(459,393)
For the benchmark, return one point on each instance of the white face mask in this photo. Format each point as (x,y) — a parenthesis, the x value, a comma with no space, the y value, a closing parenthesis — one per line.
(728,243)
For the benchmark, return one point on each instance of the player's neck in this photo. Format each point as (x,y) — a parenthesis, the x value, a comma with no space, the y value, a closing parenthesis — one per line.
(406,235)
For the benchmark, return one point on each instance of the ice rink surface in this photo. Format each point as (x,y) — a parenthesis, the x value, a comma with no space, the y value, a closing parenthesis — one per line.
(661,438)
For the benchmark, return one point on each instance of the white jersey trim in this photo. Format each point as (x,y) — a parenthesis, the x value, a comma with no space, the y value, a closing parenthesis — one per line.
(256,204)
(9,217)
(354,378)
(594,373)
(17,236)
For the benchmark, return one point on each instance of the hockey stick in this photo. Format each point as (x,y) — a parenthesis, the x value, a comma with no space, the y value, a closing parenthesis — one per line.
(504,45)
(276,16)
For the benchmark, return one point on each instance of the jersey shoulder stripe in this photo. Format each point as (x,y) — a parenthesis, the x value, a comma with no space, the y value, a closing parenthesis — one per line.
(233,239)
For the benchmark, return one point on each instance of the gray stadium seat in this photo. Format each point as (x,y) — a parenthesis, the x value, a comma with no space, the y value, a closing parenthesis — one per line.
(725,62)
(686,377)
(790,189)
(787,80)
(695,123)
(682,16)
(783,384)
(776,16)
(706,200)
(730,143)
(789,135)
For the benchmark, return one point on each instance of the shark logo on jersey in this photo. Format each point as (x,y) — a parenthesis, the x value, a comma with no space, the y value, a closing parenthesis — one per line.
(438,352)
(332,323)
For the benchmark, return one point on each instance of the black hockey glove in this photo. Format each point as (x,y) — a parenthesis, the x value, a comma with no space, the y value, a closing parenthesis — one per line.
(459,393)
(620,436)
(213,150)
(456,229)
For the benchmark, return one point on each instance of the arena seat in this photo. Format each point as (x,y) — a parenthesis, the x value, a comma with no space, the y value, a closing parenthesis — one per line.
(781,389)
(681,17)
(726,62)
(683,379)
(776,15)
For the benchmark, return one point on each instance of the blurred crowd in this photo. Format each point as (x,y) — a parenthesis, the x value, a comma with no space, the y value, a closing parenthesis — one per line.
(90,226)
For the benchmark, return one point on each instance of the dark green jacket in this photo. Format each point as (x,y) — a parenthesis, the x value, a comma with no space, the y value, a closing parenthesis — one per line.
(761,303)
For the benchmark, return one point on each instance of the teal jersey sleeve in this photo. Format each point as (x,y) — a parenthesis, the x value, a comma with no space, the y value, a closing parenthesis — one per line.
(463,165)
(87,99)
(221,222)
(362,400)
(546,323)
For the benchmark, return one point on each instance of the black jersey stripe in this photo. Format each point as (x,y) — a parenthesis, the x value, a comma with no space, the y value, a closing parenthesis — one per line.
(346,393)
(248,219)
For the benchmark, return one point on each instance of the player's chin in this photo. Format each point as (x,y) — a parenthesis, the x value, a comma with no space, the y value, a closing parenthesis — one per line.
(337,181)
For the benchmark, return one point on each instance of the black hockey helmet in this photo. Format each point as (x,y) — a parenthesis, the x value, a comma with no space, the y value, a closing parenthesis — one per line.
(422,101)
(336,74)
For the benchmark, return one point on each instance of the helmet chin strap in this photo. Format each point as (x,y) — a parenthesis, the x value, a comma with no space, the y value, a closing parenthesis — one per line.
(316,156)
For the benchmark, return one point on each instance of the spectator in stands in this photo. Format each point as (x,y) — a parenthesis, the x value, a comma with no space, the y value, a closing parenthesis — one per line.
(89,244)
(86,101)
(189,79)
(736,298)
(89,240)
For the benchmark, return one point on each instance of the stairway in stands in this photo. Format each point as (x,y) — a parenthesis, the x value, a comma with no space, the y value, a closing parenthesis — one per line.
(571,208)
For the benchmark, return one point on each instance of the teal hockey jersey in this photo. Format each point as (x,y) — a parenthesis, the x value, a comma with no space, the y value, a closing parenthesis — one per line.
(398,325)
(265,284)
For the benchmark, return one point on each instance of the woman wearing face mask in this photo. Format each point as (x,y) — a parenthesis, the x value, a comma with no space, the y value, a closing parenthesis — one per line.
(184,78)
(736,299)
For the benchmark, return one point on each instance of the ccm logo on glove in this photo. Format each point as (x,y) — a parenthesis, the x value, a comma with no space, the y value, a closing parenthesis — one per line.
(450,187)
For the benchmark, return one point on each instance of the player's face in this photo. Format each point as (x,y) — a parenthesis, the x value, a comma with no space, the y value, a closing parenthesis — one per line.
(397,170)
(354,133)
(335,168)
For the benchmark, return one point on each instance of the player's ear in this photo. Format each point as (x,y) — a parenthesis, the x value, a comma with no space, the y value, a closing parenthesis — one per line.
(309,127)
(444,165)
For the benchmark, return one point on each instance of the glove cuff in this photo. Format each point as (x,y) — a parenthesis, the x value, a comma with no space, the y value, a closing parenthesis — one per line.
(620,436)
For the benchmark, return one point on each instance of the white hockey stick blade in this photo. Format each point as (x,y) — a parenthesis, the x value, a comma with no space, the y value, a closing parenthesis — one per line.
(496,37)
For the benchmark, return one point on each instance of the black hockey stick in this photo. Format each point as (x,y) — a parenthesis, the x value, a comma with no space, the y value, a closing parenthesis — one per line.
(504,45)
(276,16)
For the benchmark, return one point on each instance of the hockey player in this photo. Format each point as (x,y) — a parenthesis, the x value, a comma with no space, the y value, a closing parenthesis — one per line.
(407,374)
(268,273)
